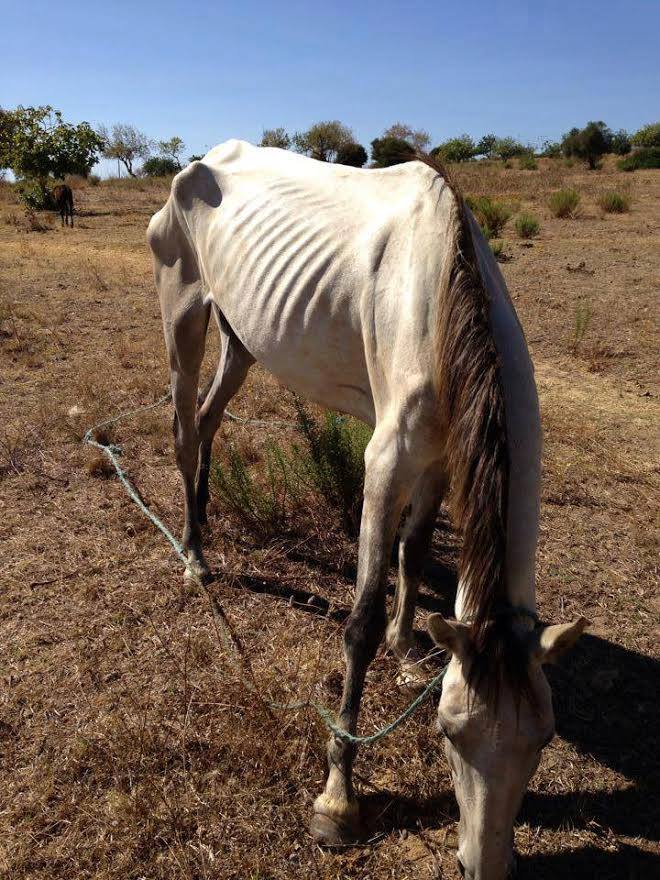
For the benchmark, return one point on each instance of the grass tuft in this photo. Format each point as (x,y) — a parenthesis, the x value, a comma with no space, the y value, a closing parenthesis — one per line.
(491,215)
(614,203)
(527,226)
(564,202)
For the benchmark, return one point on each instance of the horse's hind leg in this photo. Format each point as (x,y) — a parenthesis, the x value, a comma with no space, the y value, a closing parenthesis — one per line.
(414,545)
(235,361)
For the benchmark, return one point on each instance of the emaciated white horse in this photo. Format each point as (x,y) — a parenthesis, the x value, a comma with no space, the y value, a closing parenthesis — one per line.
(373,292)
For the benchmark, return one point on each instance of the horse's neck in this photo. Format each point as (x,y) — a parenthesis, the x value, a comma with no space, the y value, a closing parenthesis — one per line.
(523,437)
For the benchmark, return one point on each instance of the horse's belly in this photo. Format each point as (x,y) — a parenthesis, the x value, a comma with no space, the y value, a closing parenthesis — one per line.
(296,308)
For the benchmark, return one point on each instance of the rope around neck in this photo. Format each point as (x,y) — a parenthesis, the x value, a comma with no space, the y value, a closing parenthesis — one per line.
(112,452)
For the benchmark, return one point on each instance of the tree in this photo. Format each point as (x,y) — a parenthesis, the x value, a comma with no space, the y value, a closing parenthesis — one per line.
(196,157)
(387,151)
(353,154)
(508,147)
(486,146)
(458,149)
(647,136)
(589,143)
(125,143)
(275,137)
(159,166)
(323,140)
(171,150)
(418,139)
(621,145)
(35,142)
(551,149)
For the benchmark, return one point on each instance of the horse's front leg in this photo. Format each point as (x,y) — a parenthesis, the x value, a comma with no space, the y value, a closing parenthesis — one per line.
(336,813)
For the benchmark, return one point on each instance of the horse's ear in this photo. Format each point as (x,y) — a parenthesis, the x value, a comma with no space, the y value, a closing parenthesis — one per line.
(452,635)
(553,641)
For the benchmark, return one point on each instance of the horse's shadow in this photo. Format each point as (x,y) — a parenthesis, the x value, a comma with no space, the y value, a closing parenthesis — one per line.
(627,862)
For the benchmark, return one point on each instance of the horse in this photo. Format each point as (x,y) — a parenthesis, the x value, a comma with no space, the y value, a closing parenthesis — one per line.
(63,198)
(373,292)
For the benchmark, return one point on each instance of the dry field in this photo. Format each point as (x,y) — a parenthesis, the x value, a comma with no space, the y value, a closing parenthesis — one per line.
(129,746)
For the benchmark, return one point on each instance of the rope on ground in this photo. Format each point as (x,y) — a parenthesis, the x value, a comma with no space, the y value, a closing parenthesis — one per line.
(221,622)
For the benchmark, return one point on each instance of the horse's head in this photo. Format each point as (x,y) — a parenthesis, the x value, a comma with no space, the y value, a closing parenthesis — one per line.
(495,727)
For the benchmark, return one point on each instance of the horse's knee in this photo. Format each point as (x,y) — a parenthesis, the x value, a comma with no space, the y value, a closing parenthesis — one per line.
(365,629)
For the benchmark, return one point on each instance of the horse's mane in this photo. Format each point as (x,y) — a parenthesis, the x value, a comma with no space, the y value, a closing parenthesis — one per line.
(476,450)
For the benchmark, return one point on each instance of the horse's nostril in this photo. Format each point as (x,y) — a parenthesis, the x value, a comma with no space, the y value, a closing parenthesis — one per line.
(461,867)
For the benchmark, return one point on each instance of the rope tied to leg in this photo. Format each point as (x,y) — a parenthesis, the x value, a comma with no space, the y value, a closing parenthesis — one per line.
(112,451)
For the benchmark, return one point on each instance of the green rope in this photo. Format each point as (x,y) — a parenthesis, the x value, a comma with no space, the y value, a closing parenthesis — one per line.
(112,451)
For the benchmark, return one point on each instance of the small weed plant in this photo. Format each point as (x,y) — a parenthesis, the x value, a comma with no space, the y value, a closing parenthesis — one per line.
(582,321)
(527,226)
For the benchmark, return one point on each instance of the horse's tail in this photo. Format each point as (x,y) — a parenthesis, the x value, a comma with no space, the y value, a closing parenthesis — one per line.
(473,411)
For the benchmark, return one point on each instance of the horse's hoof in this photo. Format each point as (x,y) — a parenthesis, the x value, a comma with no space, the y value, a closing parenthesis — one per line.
(197,571)
(411,678)
(332,831)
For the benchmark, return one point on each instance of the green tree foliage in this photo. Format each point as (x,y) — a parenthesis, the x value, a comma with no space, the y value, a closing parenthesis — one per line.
(388,151)
(551,149)
(172,150)
(323,140)
(588,143)
(507,147)
(159,166)
(621,145)
(354,155)
(458,149)
(648,136)
(196,157)
(36,143)
(125,143)
(275,137)
(486,146)
(419,139)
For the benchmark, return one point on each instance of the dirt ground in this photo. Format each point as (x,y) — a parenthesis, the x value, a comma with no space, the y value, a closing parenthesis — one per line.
(129,745)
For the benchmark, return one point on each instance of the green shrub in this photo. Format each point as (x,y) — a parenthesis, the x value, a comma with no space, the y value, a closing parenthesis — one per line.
(564,202)
(333,462)
(614,202)
(646,158)
(159,166)
(261,501)
(527,226)
(528,163)
(458,149)
(35,195)
(491,215)
(328,466)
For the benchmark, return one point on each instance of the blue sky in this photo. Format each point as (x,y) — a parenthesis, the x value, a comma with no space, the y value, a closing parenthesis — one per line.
(207,71)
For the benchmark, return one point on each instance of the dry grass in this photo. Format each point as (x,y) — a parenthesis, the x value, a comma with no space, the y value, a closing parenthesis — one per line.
(130,746)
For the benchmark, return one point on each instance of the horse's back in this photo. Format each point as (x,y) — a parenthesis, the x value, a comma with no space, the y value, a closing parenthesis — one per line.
(313,264)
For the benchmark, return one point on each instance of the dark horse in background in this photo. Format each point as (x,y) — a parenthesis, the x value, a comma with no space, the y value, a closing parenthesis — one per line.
(63,198)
